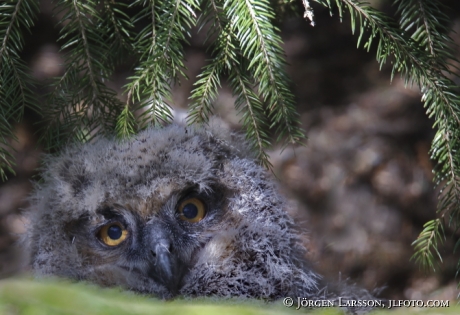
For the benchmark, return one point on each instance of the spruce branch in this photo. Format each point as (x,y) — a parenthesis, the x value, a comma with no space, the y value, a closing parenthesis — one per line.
(205,93)
(160,46)
(15,81)
(427,243)
(422,57)
(120,29)
(230,61)
(429,27)
(259,42)
(81,104)
(206,88)
(254,120)
(126,123)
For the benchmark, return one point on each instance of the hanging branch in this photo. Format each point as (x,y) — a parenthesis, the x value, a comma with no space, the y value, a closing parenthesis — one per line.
(82,105)
(229,61)
(15,81)
(421,52)
(160,47)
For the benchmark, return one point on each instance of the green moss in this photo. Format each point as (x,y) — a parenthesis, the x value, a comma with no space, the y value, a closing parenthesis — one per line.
(51,297)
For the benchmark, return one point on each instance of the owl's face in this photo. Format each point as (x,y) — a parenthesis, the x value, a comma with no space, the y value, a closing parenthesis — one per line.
(172,211)
(158,244)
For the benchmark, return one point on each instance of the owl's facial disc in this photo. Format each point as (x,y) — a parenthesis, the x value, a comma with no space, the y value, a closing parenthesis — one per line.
(158,248)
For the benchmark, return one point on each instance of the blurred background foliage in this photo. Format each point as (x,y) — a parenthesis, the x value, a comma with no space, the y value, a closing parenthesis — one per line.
(362,186)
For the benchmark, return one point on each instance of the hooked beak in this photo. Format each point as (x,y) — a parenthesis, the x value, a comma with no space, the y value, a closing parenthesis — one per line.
(163,264)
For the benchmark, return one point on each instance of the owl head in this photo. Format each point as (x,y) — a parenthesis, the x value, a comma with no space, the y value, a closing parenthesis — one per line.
(171,211)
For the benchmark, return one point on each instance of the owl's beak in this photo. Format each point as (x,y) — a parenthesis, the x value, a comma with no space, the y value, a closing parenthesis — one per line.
(165,267)
(163,261)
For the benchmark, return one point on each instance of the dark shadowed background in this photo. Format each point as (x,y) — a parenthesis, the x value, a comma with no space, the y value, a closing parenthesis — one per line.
(361,187)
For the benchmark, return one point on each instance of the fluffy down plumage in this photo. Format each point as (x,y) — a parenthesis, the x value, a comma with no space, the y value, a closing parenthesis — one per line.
(147,187)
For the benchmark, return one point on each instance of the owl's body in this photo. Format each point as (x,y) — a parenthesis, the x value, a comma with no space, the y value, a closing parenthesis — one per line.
(172,211)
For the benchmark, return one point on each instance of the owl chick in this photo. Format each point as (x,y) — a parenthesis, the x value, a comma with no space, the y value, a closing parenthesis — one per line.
(172,211)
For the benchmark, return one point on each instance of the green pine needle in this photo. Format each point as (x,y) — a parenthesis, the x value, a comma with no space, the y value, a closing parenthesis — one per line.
(15,82)
(427,243)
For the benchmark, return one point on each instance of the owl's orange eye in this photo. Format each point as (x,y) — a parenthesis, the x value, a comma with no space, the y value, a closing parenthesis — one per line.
(192,210)
(113,234)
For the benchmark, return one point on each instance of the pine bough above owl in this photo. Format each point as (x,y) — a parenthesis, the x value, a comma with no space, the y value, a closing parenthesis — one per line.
(173,211)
